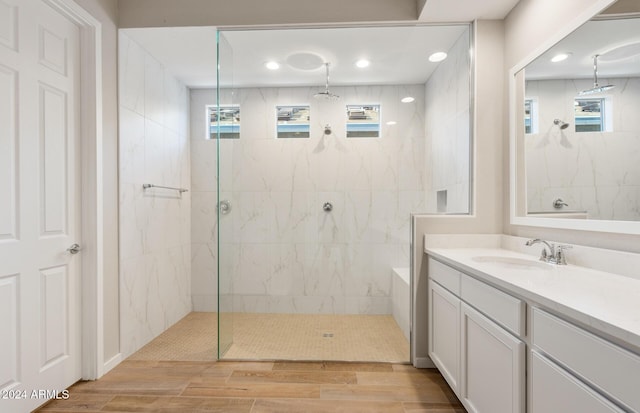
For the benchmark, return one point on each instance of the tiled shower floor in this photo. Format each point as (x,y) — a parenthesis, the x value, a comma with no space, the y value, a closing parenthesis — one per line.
(283,337)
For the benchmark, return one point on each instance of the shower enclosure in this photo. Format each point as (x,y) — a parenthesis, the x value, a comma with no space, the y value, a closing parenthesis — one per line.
(314,196)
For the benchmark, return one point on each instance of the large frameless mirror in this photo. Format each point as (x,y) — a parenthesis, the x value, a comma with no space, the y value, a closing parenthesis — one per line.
(576,134)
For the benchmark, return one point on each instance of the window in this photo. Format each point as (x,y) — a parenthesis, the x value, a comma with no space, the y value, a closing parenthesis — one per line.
(363,121)
(531,115)
(590,115)
(228,122)
(293,122)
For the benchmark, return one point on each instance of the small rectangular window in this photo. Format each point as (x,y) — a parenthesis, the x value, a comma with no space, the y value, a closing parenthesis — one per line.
(527,116)
(363,121)
(226,119)
(293,121)
(531,115)
(589,115)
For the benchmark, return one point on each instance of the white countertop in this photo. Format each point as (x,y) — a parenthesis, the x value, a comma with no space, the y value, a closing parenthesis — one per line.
(608,303)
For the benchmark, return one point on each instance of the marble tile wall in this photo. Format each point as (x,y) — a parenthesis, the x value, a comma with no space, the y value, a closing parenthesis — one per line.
(204,199)
(155,236)
(597,172)
(447,127)
(284,253)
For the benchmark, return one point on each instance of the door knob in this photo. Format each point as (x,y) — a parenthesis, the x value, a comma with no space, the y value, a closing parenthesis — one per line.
(74,249)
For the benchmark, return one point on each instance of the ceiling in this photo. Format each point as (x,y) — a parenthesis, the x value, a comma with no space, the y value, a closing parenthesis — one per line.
(398,55)
(465,10)
(616,41)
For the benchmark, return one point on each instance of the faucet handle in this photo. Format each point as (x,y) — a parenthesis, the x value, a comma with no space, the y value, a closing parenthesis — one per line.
(561,258)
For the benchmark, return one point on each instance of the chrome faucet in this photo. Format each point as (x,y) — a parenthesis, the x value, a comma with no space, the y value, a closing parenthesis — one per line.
(544,255)
(555,255)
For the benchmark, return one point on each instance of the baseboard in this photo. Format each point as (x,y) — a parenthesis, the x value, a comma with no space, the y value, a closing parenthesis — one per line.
(423,363)
(113,361)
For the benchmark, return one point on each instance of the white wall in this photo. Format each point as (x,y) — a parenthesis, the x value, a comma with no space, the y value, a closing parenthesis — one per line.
(285,253)
(155,239)
(447,127)
(597,172)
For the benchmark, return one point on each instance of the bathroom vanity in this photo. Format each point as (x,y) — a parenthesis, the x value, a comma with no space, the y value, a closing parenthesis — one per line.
(513,334)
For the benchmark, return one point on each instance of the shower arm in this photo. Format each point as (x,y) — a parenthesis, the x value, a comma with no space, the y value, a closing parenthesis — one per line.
(326,85)
(595,70)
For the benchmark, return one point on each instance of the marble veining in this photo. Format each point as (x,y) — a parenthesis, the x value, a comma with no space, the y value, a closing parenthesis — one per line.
(447,126)
(155,225)
(595,172)
(281,252)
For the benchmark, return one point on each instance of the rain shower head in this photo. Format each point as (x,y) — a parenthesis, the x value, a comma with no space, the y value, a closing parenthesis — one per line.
(596,87)
(563,125)
(326,94)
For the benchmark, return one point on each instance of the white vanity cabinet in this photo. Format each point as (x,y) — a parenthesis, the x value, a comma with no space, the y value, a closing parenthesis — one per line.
(553,389)
(481,359)
(493,360)
(444,333)
(517,350)
(583,367)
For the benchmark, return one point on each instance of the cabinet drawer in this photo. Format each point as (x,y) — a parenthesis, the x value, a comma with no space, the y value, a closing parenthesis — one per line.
(555,390)
(501,307)
(612,369)
(446,276)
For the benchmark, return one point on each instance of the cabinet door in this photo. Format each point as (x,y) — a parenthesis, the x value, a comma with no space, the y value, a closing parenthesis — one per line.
(555,390)
(493,363)
(444,333)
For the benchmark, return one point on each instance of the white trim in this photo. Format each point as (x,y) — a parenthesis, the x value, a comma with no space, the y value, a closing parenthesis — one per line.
(92,306)
(109,365)
(621,227)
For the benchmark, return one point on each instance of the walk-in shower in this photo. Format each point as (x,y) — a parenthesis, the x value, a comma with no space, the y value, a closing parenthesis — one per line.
(315,222)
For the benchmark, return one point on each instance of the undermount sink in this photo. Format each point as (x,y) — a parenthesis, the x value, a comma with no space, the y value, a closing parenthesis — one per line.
(513,262)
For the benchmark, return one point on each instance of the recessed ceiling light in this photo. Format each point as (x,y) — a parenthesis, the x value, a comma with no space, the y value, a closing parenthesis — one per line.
(391,122)
(437,57)
(560,57)
(272,65)
(407,99)
(362,63)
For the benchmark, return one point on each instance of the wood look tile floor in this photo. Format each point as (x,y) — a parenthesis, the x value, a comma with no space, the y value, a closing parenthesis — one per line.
(255,387)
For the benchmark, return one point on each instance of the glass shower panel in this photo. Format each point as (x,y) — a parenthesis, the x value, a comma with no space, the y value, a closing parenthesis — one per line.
(225,121)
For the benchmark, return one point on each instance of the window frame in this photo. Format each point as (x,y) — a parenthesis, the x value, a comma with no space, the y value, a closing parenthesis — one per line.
(213,133)
(363,107)
(302,134)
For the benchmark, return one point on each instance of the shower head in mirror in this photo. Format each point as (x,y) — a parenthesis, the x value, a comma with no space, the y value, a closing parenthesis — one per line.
(563,125)
(596,87)
(326,95)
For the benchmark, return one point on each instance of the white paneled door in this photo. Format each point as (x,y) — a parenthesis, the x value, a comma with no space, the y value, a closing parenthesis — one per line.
(40,351)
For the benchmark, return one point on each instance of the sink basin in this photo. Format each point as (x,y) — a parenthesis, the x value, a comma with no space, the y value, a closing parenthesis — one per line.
(513,262)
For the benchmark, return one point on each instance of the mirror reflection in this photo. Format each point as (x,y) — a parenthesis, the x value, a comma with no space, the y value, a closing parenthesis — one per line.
(581,125)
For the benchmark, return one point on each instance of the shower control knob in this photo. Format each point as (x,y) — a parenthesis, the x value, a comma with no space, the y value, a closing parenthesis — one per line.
(225,207)
(327,207)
